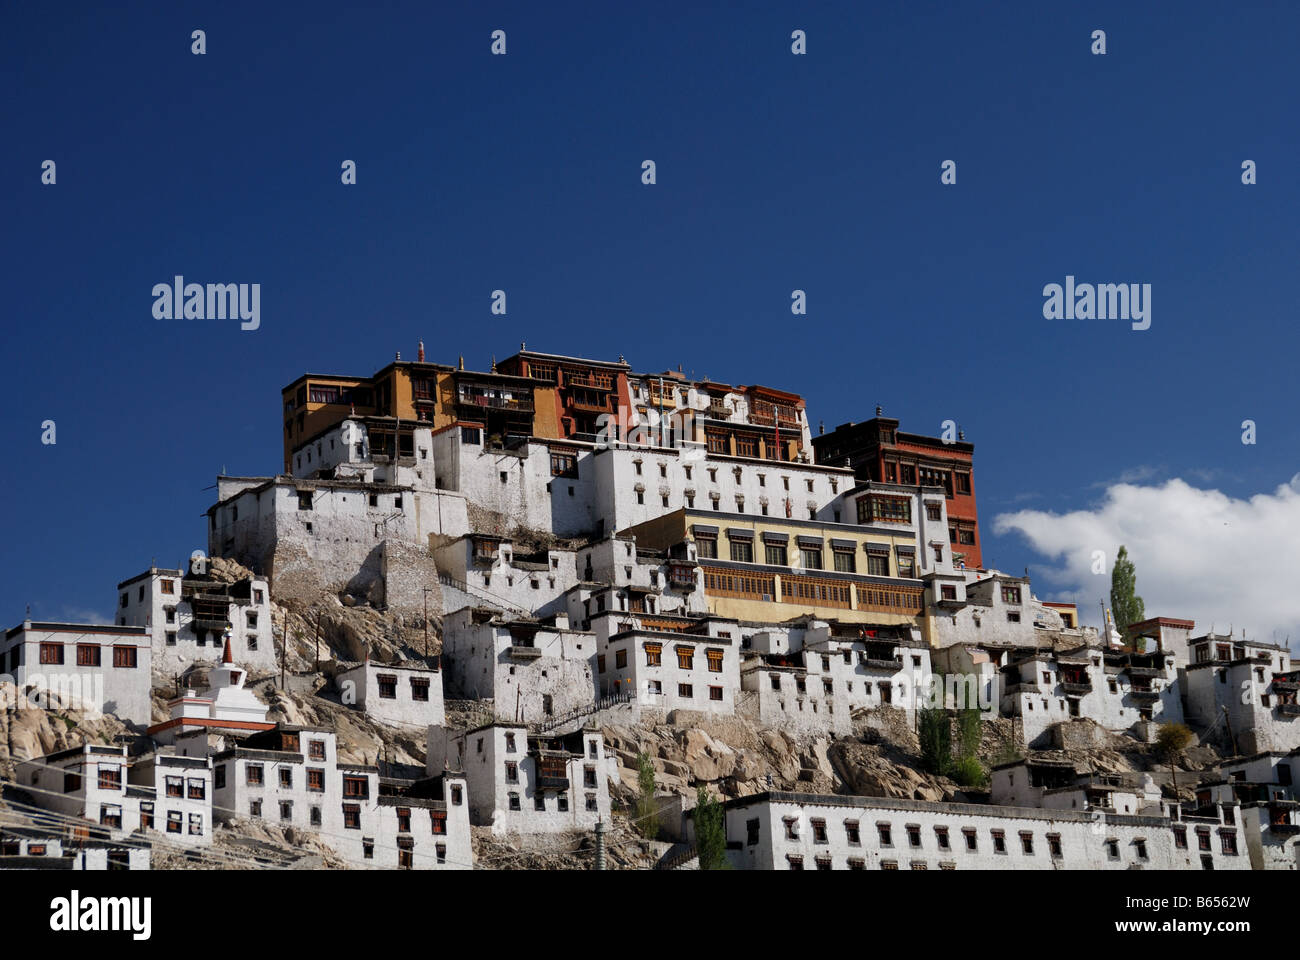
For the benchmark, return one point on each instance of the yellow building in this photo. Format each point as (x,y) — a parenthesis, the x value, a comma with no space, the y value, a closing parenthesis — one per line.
(761,568)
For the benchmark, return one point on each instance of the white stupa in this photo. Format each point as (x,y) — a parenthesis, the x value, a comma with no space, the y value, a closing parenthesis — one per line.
(224,707)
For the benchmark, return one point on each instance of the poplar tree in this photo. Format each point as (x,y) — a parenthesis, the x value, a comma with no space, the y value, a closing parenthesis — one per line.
(1125,604)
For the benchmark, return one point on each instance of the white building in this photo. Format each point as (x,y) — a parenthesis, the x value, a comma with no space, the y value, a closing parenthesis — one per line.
(494,572)
(101,784)
(189,617)
(1116,689)
(1264,785)
(45,846)
(1242,693)
(667,662)
(90,667)
(531,670)
(812,676)
(331,524)
(176,798)
(292,777)
(795,831)
(394,693)
(525,783)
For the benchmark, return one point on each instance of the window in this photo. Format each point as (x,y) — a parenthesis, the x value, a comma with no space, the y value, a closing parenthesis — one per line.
(913,835)
(685,658)
(539,801)
(751,832)
(1180,837)
(255,808)
(514,801)
(387,686)
(810,558)
(1203,838)
(1054,846)
(316,781)
(685,691)
(357,788)
(715,660)
(775,555)
(1010,594)
(886,836)
(456,795)
(110,778)
(87,655)
(351,816)
(1112,849)
(715,694)
(253,774)
(438,822)
(620,659)
(845,561)
(742,551)
(878,565)
(562,802)
(403,819)
(316,749)
(286,777)
(173,821)
(1026,842)
(1140,848)
(1228,841)
(304,500)
(71,782)
(124,657)
(962,482)
(653,654)
(948,591)
(999,841)
(510,743)
(512,772)
(51,653)
(795,862)
(171,638)
(706,548)
(196,824)
(941,837)
(196,789)
(819,831)
(972,842)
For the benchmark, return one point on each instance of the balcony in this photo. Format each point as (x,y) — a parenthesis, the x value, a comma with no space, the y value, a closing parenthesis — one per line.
(1076,688)
(1145,672)
(1144,696)
(1289,709)
(893,666)
(719,410)
(523,653)
(1286,681)
(494,403)
(1284,829)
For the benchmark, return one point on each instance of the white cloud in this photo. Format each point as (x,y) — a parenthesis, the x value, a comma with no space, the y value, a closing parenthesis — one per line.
(1200,554)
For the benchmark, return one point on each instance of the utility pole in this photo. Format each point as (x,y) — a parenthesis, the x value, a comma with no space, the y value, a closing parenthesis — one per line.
(600,845)
(426,624)
(1227,722)
(317,641)
(284,646)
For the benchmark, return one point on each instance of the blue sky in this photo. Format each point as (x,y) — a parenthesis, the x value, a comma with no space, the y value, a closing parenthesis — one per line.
(522,172)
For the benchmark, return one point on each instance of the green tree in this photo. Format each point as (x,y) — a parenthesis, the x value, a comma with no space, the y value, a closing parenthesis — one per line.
(647,818)
(1125,604)
(1171,740)
(936,740)
(710,834)
(966,768)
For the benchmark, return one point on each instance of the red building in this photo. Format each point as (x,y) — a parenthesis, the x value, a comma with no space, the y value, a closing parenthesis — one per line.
(877,450)
(585,390)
